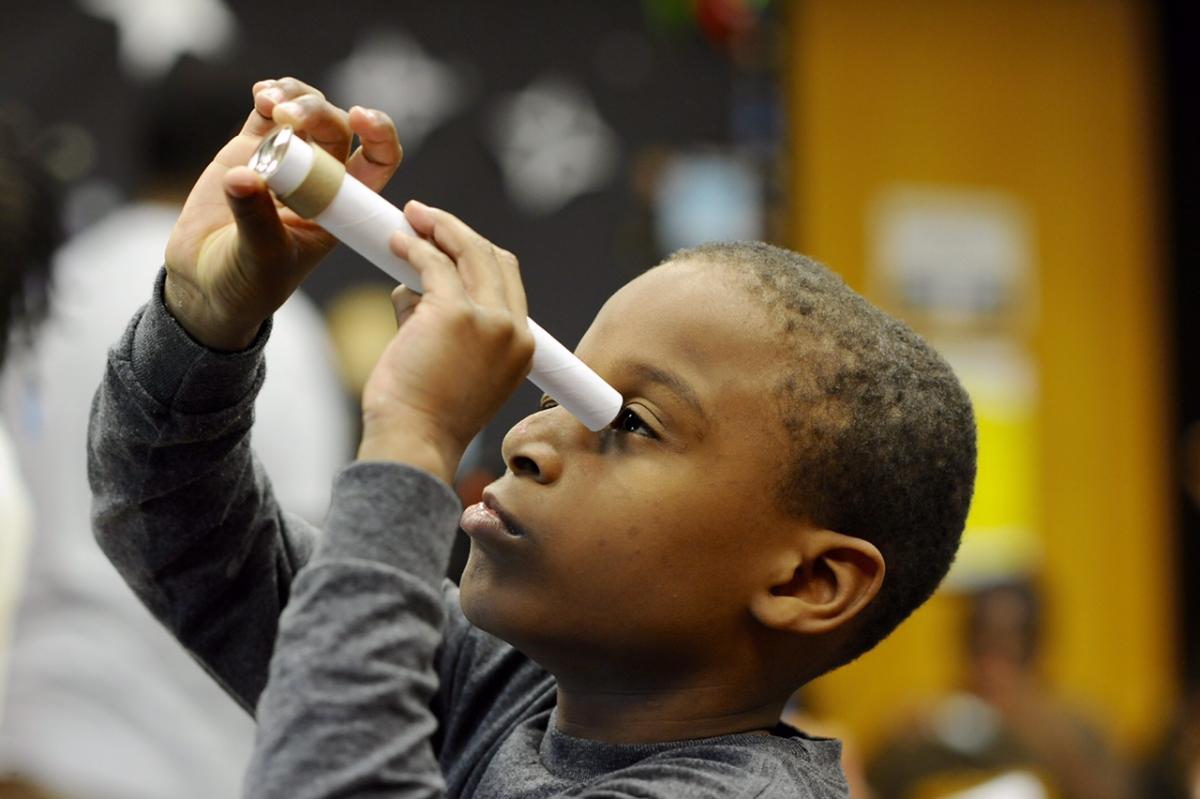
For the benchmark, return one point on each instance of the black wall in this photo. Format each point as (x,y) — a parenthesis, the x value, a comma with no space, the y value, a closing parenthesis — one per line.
(1181,68)
(63,64)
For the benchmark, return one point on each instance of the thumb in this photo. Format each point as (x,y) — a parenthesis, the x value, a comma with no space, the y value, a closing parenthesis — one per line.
(404,301)
(260,233)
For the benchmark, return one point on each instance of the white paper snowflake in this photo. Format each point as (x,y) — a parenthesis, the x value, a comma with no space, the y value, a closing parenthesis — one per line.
(551,144)
(389,70)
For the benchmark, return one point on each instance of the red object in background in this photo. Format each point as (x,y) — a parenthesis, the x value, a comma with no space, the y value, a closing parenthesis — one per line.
(726,22)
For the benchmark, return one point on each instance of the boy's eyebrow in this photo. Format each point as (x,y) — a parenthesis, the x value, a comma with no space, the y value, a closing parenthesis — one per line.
(672,382)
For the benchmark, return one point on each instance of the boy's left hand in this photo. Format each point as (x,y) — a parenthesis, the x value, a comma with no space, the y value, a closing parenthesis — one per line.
(461,350)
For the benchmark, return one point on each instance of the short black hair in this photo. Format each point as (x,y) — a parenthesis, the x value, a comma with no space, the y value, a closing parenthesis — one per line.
(881,434)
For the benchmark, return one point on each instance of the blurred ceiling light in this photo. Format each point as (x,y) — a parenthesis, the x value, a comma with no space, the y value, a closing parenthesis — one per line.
(152,34)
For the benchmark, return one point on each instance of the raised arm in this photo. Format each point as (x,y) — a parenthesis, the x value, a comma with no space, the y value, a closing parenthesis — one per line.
(181,505)
(347,710)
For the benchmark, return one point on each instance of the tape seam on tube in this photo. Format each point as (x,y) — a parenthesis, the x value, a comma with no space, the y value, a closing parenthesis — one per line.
(320,185)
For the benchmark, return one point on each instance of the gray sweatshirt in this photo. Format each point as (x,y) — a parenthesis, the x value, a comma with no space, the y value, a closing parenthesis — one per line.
(367,679)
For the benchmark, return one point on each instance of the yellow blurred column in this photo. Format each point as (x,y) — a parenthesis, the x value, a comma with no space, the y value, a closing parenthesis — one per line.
(1050,103)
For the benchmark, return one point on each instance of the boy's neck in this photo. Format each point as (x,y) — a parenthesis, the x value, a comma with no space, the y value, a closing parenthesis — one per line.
(631,717)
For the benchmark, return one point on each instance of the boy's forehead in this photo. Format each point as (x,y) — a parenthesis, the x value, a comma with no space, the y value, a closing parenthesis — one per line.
(664,299)
(675,293)
(684,311)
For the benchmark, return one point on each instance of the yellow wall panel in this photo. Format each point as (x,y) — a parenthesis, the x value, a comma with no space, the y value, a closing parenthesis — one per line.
(1050,102)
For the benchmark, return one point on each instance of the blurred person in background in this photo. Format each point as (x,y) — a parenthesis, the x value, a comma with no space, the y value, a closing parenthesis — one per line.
(29,234)
(1173,770)
(13,787)
(1006,735)
(103,703)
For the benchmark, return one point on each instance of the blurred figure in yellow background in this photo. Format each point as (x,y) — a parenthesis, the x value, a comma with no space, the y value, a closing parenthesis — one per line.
(1173,771)
(1006,735)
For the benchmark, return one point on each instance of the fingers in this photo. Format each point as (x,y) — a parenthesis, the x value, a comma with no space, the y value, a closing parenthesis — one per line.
(514,289)
(267,95)
(491,275)
(439,276)
(450,233)
(288,101)
(260,232)
(404,302)
(379,153)
(260,123)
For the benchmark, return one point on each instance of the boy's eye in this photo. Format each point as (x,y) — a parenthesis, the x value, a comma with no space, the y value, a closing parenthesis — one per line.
(628,421)
(547,402)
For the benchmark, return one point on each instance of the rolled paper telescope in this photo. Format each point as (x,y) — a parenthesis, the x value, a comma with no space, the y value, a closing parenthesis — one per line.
(315,185)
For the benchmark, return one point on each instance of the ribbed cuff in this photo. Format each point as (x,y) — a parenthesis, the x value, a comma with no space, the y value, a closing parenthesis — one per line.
(182,373)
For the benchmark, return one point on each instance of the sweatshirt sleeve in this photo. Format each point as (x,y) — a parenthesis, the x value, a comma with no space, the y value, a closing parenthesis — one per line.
(180,504)
(347,709)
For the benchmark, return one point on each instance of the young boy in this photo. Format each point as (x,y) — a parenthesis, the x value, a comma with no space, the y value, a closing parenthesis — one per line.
(787,481)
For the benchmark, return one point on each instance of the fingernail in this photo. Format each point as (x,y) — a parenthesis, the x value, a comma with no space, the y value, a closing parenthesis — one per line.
(404,298)
(292,109)
(274,95)
(417,204)
(240,190)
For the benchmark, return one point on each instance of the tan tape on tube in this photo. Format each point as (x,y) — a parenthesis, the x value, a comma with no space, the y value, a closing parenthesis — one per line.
(319,186)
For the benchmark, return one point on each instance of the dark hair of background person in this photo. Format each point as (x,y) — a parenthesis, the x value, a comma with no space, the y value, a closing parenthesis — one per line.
(183,121)
(30,231)
(882,434)
(1005,619)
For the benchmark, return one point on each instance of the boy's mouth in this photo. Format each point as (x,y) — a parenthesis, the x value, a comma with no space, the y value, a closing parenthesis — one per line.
(488,520)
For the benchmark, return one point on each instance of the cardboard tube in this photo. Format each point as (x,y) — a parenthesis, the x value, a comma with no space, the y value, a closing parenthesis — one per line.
(319,187)
(315,185)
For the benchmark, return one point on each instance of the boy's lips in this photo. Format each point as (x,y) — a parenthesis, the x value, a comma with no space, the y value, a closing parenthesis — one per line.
(489,520)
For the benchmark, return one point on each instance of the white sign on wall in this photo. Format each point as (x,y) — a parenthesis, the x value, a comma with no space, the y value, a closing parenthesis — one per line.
(952,258)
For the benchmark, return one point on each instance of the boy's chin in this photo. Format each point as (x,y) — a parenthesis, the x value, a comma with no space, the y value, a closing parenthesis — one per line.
(499,606)
(481,599)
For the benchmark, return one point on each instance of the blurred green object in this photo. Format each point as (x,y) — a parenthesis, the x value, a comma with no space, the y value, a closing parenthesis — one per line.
(724,23)
(669,14)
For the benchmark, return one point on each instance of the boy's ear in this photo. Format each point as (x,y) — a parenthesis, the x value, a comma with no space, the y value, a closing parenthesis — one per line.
(820,583)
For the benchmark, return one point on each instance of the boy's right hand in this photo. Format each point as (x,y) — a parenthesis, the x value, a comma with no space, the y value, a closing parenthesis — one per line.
(236,254)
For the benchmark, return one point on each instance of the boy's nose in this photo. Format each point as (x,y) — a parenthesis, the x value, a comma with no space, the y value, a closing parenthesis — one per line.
(532,448)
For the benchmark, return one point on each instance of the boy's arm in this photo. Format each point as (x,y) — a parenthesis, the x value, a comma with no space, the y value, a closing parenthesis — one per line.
(347,709)
(181,505)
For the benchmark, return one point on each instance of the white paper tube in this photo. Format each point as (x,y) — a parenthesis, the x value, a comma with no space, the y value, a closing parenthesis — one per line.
(315,185)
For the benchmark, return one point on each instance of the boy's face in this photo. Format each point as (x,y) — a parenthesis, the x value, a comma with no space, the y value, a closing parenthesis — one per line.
(644,543)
